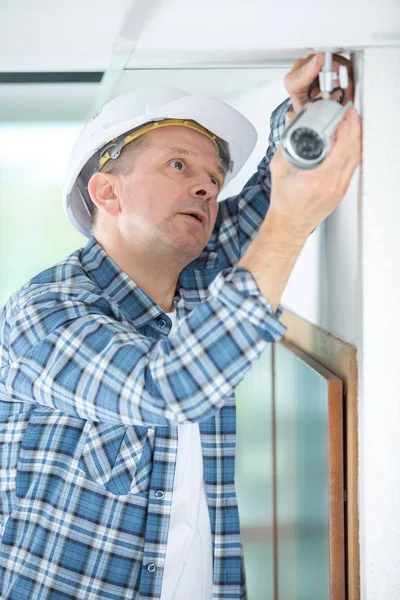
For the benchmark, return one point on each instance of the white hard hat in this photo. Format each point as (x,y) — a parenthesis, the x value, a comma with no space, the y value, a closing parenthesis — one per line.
(233,134)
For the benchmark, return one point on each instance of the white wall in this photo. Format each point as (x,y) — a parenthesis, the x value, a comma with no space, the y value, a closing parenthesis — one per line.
(379,393)
(346,281)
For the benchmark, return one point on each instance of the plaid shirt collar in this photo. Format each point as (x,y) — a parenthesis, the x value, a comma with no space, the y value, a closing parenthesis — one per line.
(122,290)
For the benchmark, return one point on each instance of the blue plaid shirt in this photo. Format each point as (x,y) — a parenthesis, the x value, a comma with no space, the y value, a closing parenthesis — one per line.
(91,391)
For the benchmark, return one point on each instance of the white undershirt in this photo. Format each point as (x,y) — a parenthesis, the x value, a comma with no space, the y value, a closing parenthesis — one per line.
(188,570)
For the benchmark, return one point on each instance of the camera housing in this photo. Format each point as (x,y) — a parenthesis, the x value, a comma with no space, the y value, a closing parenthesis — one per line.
(307,140)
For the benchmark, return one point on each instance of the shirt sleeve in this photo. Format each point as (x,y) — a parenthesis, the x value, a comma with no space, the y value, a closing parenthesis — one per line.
(240,217)
(73,355)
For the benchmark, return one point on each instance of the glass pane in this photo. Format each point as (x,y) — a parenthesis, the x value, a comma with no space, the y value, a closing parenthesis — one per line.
(302,479)
(254,475)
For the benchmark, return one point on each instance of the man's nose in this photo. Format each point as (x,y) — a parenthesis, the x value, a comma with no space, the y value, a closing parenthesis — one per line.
(206,190)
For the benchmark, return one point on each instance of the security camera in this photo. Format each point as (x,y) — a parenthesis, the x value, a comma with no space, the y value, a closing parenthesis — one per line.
(307,139)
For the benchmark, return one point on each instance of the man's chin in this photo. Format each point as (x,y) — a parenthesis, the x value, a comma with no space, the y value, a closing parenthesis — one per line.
(189,246)
(186,253)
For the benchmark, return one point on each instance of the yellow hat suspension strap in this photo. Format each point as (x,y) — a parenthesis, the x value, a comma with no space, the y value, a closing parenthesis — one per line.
(113,149)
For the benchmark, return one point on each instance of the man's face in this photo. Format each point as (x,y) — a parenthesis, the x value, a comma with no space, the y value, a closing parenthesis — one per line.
(169,200)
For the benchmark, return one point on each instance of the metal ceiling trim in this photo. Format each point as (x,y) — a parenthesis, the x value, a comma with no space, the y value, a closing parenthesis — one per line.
(135,20)
(51,77)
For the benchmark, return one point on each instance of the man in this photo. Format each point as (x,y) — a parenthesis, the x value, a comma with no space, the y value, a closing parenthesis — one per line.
(109,416)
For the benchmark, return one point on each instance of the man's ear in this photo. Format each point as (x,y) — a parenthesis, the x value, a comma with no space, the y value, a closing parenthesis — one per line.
(101,188)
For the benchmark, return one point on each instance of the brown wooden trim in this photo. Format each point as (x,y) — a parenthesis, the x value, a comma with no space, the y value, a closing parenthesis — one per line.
(341,359)
(336,492)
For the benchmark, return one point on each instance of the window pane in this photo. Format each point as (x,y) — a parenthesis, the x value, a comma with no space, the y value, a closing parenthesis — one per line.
(254,475)
(34,232)
(302,479)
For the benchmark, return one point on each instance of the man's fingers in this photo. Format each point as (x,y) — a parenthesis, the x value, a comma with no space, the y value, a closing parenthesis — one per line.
(352,140)
(306,70)
(301,77)
(348,139)
(345,155)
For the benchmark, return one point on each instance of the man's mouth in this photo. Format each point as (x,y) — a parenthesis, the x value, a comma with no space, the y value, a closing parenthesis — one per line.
(196,216)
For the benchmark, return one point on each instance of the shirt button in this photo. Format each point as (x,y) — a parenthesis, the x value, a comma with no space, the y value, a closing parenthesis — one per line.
(151,567)
(161,323)
(159,494)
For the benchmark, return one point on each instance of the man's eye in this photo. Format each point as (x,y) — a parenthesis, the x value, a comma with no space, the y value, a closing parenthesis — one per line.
(216,181)
(179,165)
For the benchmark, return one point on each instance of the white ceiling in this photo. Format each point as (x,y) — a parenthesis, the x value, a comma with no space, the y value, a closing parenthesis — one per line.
(45,35)
(178,32)
(194,44)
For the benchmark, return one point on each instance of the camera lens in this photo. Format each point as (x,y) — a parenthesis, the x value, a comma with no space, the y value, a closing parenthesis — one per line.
(306,143)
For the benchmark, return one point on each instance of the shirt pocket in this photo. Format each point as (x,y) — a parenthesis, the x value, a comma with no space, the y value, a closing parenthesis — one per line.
(118,458)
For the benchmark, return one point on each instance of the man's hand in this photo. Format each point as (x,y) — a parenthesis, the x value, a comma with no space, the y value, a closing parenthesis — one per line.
(305,198)
(303,73)
(302,198)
